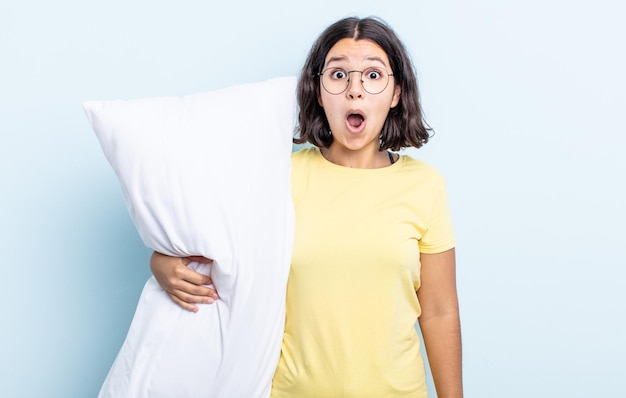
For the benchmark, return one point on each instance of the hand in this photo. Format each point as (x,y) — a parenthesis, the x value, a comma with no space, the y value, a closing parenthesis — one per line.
(182,284)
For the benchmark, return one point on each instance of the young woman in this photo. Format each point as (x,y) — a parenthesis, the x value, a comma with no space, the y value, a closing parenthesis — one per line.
(374,245)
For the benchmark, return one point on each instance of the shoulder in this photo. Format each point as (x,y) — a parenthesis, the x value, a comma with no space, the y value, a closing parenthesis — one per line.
(421,170)
(304,164)
(304,156)
(304,152)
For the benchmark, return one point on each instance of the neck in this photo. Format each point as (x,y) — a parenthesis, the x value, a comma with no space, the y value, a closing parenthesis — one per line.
(356,159)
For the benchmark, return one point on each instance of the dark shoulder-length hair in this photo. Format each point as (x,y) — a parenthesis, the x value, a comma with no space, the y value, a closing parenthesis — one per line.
(405,125)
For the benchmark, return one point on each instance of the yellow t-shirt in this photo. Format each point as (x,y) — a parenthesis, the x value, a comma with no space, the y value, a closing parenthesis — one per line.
(351,301)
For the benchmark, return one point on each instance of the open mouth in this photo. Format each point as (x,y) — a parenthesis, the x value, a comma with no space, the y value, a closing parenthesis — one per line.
(355,120)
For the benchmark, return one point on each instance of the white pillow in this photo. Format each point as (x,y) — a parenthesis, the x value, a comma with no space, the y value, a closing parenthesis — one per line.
(206,174)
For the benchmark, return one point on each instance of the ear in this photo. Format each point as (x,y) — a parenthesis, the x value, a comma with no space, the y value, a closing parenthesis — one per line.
(396,96)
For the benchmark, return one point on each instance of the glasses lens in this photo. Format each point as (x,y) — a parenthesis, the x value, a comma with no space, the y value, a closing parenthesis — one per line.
(374,80)
(336,80)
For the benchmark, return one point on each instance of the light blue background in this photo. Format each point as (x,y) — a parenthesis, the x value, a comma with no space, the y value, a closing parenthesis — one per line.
(527,100)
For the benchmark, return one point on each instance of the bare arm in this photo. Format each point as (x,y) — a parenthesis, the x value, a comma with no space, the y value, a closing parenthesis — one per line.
(182,284)
(440,322)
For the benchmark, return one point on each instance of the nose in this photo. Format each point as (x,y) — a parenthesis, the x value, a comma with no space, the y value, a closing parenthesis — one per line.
(355,86)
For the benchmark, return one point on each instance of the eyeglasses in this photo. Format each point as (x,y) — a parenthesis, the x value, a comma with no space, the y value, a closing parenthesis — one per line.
(336,80)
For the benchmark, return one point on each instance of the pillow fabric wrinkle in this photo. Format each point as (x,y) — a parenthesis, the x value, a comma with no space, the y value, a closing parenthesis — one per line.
(206,174)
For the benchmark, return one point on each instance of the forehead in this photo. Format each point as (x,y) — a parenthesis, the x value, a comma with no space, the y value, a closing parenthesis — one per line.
(356,51)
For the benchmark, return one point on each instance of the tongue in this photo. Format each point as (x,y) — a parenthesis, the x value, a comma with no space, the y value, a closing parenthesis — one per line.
(355,120)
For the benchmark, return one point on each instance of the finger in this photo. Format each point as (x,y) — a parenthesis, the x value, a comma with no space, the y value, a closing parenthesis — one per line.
(184,305)
(193,298)
(196,278)
(190,275)
(197,290)
(214,292)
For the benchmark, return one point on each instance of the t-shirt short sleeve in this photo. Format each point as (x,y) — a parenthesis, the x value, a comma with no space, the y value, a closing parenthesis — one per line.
(439,235)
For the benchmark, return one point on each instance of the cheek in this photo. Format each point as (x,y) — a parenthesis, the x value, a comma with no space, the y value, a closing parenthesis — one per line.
(328,107)
(390,104)
(332,120)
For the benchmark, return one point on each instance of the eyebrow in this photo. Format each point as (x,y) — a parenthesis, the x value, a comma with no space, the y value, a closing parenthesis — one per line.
(343,58)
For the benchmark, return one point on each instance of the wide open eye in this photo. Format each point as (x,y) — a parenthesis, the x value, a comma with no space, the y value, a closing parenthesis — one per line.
(372,74)
(338,74)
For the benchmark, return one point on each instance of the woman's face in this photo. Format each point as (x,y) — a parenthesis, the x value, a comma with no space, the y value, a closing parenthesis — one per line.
(356,116)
